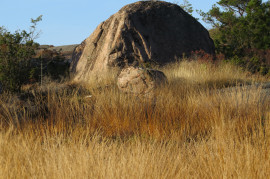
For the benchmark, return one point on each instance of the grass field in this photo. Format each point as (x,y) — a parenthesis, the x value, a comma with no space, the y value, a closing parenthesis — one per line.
(193,129)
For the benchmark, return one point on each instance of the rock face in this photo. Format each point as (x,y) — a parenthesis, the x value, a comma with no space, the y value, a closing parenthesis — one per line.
(141,82)
(142,32)
(76,55)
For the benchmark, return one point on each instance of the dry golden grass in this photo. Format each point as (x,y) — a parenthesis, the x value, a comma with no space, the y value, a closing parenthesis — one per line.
(192,130)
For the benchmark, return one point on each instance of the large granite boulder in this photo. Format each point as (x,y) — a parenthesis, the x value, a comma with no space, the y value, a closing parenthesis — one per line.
(140,82)
(142,32)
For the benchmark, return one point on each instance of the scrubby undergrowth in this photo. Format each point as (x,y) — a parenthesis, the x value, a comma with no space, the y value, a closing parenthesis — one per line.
(194,128)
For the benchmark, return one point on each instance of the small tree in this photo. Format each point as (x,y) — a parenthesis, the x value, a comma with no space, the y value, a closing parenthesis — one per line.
(16,51)
(186,6)
(239,25)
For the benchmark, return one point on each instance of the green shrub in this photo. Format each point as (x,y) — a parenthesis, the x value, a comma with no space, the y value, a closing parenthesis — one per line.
(254,64)
(264,70)
(16,51)
(57,69)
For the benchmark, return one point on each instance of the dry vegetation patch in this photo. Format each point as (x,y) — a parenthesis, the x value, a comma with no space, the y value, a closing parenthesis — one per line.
(194,128)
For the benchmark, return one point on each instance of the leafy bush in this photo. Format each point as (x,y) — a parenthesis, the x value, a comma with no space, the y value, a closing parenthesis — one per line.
(239,26)
(57,69)
(241,32)
(16,51)
(253,64)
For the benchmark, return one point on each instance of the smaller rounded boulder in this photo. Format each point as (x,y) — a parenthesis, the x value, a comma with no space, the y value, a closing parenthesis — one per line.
(140,82)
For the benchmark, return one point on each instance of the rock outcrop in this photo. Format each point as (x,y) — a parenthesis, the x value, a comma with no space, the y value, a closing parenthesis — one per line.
(142,32)
(140,82)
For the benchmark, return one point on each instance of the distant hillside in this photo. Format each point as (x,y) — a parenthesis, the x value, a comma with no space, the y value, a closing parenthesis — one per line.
(65,50)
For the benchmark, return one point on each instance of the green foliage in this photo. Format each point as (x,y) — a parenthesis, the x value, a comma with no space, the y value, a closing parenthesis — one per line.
(239,25)
(252,64)
(186,6)
(57,69)
(264,70)
(16,51)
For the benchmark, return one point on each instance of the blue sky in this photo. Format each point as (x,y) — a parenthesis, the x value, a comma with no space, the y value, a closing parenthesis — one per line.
(67,21)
